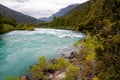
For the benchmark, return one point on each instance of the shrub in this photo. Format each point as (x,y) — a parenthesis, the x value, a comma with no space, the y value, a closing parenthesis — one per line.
(42,62)
(60,64)
(6,28)
(72,72)
(11,78)
(38,69)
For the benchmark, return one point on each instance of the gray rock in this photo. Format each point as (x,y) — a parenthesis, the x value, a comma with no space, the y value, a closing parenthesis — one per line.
(68,53)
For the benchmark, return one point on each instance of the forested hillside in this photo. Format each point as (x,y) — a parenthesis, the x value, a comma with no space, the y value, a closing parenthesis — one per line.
(94,11)
(9,24)
(101,20)
(17,16)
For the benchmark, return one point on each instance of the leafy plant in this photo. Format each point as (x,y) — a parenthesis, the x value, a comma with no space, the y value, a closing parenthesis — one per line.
(60,64)
(72,72)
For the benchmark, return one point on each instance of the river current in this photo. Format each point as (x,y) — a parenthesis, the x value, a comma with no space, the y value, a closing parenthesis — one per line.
(21,49)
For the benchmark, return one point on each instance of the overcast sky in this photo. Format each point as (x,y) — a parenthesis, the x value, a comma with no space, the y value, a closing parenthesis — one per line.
(38,8)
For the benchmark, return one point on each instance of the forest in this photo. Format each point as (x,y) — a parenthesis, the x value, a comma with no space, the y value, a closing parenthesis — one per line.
(100,20)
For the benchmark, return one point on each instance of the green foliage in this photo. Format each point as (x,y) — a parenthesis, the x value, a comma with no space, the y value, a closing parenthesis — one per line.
(90,45)
(72,72)
(52,67)
(40,66)
(109,57)
(60,64)
(9,21)
(6,24)
(43,25)
(6,28)
(25,27)
(42,62)
(1,17)
(38,75)
(101,19)
(86,58)
(76,43)
(11,78)
(38,69)
(17,78)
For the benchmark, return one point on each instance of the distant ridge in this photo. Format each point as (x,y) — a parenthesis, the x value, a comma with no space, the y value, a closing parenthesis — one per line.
(17,16)
(60,13)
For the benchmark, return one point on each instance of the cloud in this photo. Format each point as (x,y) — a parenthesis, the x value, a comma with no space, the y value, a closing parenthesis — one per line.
(38,8)
(38,14)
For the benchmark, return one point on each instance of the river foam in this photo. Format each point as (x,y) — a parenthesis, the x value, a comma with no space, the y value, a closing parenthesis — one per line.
(55,32)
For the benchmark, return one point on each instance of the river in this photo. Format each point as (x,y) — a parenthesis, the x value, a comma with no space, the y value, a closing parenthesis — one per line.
(21,49)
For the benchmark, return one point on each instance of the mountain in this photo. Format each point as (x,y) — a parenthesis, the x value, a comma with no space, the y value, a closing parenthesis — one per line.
(100,20)
(17,16)
(61,12)
(71,19)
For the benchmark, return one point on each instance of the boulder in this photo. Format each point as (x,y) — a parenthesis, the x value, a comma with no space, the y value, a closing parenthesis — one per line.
(72,55)
(69,55)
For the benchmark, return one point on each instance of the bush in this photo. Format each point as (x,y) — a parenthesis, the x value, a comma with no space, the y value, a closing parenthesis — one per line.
(6,28)
(38,69)
(72,72)
(11,78)
(60,64)
(41,66)
(42,62)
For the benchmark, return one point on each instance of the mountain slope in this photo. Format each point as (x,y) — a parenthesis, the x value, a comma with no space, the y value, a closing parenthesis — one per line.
(93,12)
(69,20)
(61,12)
(101,20)
(17,16)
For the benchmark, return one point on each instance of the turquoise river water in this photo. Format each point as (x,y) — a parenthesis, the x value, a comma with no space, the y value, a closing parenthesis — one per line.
(21,49)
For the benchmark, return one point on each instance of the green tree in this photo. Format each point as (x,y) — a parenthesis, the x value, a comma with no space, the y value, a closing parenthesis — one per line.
(9,21)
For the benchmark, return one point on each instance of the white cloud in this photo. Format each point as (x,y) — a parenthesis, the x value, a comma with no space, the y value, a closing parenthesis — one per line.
(38,8)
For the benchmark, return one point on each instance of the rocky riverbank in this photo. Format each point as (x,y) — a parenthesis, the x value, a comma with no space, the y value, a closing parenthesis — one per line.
(67,54)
